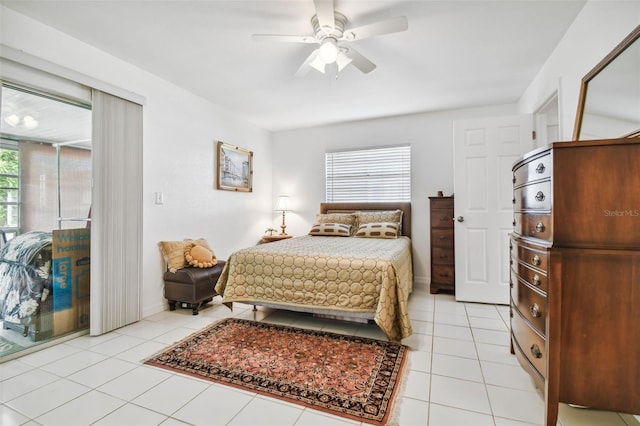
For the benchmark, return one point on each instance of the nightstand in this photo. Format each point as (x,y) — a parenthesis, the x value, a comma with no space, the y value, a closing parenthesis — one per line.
(272,238)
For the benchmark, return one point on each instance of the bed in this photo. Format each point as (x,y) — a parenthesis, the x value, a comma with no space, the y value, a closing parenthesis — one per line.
(26,284)
(360,274)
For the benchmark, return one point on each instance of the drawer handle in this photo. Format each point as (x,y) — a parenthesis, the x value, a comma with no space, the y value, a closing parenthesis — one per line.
(540,196)
(535,260)
(535,310)
(444,256)
(539,227)
(443,237)
(535,351)
(540,169)
(444,274)
(536,280)
(444,219)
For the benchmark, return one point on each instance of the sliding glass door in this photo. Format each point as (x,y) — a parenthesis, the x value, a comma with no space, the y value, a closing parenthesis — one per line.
(45,204)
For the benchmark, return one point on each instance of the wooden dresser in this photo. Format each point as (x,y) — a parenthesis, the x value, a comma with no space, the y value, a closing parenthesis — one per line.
(442,249)
(575,273)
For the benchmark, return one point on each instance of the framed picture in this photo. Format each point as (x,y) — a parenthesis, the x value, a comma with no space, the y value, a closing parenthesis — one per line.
(234,168)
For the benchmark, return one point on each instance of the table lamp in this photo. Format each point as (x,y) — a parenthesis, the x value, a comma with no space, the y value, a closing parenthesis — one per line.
(282,205)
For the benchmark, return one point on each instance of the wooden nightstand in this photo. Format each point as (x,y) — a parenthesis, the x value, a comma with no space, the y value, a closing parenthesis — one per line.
(272,238)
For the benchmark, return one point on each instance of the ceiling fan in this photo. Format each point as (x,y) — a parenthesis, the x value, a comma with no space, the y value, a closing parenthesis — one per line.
(331,33)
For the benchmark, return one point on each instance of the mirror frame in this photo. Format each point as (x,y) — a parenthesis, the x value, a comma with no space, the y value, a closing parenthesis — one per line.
(624,44)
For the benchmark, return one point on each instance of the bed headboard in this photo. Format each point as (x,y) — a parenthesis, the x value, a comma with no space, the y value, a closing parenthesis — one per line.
(363,206)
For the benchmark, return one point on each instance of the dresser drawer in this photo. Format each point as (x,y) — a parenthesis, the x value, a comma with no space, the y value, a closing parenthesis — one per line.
(534,278)
(442,238)
(531,304)
(441,218)
(530,342)
(443,274)
(537,377)
(442,256)
(529,256)
(535,169)
(533,225)
(533,197)
(442,203)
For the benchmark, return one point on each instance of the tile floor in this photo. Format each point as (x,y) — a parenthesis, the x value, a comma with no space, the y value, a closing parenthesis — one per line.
(461,373)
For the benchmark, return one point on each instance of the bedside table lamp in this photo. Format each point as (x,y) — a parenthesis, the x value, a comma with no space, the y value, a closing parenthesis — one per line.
(282,205)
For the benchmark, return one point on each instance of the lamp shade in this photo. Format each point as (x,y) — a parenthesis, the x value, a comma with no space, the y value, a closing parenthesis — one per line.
(282,205)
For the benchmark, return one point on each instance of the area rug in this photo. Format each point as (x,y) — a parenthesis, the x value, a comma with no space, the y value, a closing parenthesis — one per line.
(347,376)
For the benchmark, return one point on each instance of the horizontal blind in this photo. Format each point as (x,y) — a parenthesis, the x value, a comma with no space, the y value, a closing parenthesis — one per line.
(378,174)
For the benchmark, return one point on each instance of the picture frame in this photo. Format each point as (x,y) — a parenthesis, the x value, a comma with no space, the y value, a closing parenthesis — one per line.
(234,168)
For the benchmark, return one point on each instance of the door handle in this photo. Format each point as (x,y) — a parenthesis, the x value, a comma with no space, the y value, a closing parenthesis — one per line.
(460,219)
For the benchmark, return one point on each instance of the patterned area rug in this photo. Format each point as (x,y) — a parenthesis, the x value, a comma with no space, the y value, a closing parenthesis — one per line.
(348,376)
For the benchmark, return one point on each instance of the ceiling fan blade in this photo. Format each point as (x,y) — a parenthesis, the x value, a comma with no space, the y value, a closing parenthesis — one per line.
(285,38)
(359,61)
(306,65)
(388,26)
(324,12)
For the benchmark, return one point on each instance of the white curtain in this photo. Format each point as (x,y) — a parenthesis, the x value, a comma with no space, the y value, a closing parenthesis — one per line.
(116,226)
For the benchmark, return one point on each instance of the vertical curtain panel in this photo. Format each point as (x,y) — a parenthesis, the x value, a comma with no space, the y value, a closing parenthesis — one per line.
(116,226)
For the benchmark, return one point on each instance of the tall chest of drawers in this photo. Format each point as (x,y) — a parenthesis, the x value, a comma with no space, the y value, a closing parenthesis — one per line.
(442,244)
(575,273)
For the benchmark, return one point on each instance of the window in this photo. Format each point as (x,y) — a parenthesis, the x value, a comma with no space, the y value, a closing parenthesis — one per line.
(378,174)
(46,161)
(9,188)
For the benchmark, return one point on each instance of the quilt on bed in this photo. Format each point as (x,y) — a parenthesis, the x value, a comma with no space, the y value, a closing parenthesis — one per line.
(333,273)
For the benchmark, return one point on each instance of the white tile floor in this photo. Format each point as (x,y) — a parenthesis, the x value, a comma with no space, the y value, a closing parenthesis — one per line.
(461,373)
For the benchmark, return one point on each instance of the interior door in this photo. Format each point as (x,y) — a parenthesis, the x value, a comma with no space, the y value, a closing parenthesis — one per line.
(484,152)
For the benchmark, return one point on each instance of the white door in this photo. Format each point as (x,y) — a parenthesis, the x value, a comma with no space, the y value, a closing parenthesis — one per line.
(484,152)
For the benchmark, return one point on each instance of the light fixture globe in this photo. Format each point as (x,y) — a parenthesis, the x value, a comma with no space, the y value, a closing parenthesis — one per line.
(29,122)
(328,51)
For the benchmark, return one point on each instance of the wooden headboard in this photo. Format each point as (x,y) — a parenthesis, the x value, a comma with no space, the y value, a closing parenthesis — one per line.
(352,207)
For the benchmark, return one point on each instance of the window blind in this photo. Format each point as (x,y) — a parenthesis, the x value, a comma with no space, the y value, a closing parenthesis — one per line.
(378,174)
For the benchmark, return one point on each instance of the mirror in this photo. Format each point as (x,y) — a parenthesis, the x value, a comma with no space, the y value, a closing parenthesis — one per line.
(609,104)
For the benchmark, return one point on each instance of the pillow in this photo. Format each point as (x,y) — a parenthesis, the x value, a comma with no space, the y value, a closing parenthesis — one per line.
(331,230)
(394,216)
(173,252)
(378,230)
(343,218)
(198,256)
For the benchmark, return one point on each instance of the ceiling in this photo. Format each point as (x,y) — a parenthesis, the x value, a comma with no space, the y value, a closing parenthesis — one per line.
(29,116)
(455,54)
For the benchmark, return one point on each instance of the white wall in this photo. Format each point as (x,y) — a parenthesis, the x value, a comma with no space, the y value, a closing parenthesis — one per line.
(598,29)
(298,165)
(180,131)
(180,134)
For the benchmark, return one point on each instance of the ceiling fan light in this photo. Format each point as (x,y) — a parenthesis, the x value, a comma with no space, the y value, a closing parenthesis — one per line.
(342,61)
(329,51)
(12,120)
(318,64)
(29,122)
